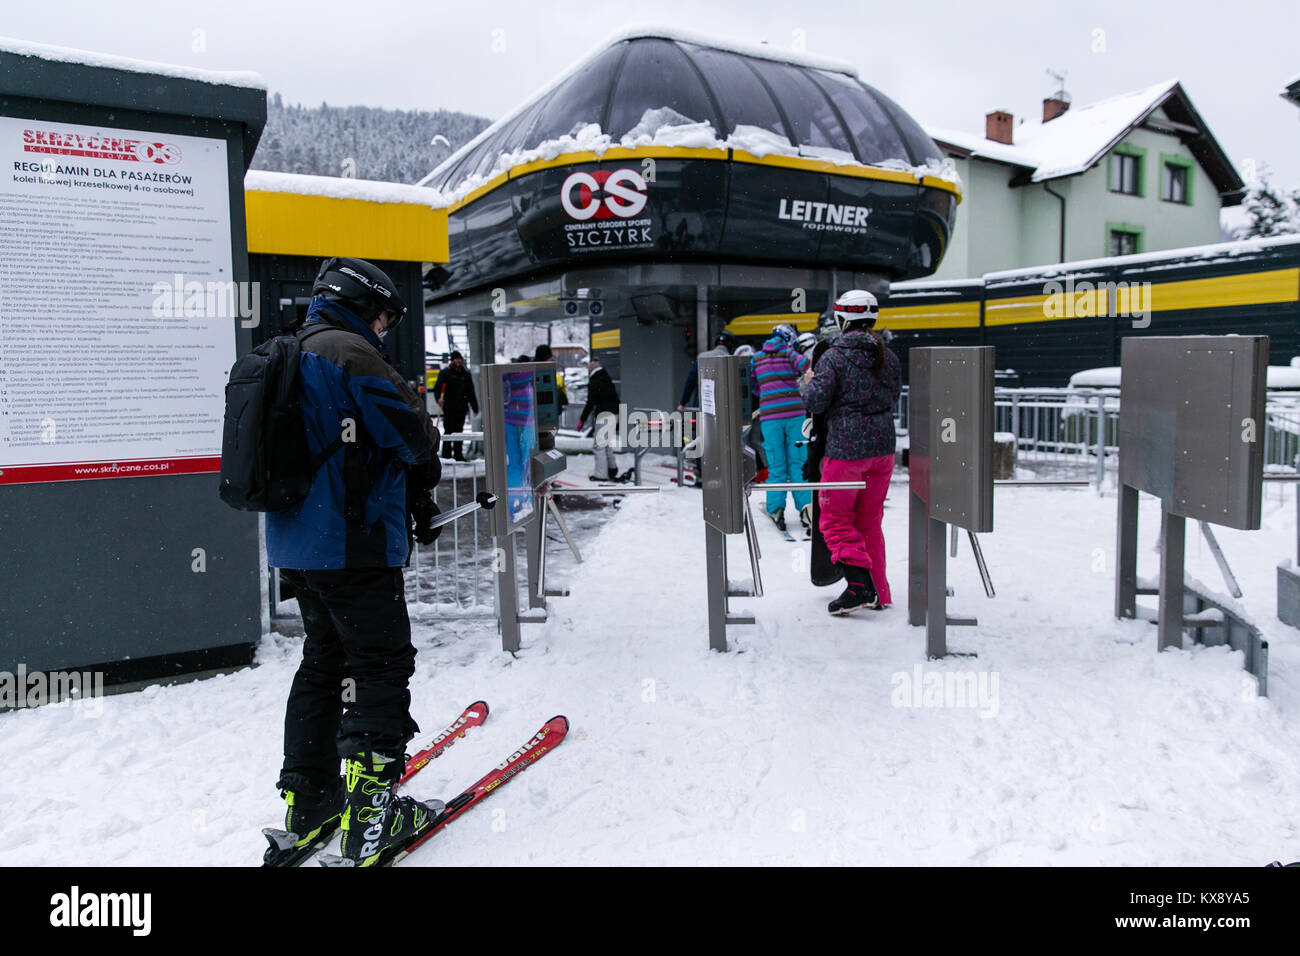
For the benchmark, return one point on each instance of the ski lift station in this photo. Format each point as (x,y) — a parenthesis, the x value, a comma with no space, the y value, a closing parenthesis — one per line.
(669,186)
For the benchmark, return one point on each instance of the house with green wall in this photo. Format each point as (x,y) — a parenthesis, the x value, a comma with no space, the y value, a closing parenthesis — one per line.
(1139,172)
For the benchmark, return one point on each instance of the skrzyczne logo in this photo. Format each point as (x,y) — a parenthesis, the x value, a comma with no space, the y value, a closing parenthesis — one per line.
(604,194)
(100,147)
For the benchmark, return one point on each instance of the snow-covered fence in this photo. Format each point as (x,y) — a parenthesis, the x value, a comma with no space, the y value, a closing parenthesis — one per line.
(1074,432)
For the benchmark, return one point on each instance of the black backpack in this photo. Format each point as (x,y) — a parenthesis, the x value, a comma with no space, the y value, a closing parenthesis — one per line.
(265,461)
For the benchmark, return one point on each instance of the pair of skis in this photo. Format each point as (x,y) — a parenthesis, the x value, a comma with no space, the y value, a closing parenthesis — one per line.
(282,851)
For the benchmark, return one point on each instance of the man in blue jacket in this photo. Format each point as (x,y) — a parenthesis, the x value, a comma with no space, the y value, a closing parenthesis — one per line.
(342,550)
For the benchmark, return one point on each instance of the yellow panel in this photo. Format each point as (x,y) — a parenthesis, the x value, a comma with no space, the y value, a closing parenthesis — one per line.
(1029,308)
(293,224)
(763,324)
(950,315)
(564,159)
(1253,288)
(605,340)
(665,152)
(487,187)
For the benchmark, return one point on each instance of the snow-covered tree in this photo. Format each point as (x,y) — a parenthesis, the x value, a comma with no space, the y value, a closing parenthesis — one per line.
(1273,211)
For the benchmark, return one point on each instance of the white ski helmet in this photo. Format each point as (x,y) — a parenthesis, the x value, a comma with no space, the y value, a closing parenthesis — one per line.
(744,350)
(806,342)
(856,305)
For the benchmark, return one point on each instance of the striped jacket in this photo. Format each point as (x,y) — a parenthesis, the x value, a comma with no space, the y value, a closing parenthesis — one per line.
(776,377)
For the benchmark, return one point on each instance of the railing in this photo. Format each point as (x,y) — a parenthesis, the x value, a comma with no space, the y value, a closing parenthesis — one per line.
(1074,432)
(455,572)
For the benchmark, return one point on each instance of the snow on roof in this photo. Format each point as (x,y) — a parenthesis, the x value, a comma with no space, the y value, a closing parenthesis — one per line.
(368,190)
(658,127)
(1215,251)
(629,33)
(62,54)
(1070,143)
(985,148)
(1278,376)
(1075,140)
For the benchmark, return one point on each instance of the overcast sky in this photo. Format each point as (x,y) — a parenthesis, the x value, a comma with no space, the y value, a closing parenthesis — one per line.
(947,61)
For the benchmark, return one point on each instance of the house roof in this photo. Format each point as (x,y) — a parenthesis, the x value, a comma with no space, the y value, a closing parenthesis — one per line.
(1080,138)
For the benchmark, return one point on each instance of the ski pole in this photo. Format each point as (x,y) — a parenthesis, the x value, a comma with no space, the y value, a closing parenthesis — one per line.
(485,500)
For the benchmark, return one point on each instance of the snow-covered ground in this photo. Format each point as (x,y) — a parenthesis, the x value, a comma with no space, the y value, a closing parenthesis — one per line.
(801,746)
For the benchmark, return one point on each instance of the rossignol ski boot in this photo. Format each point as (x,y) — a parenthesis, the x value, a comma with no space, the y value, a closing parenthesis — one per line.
(311,816)
(375,820)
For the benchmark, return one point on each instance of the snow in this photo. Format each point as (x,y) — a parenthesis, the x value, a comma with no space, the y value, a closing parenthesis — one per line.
(1202,255)
(1278,377)
(1075,140)
(803,745)
(665,127)
(337,187)
(108,61)
(980,146)
(1071,142)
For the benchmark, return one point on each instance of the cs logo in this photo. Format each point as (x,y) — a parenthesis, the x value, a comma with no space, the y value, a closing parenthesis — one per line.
(603,194)
(158,153)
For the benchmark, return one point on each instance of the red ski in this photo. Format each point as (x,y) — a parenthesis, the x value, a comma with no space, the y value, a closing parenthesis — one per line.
(473,716)
(284,850)
(542,743)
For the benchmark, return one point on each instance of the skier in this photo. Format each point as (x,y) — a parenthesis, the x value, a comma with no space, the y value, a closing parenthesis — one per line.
(344,547)
(723,344)
(856,383)
(454,391)
(777,367)
(602,400)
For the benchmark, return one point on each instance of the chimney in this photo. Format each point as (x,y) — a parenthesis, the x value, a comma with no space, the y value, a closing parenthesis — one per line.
(997,127)
(1054,107)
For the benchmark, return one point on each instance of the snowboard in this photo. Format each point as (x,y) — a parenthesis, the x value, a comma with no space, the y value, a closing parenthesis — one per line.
(823,571)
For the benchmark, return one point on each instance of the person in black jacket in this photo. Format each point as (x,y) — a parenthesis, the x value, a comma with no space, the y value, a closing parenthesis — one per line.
(454,392)
(602,401)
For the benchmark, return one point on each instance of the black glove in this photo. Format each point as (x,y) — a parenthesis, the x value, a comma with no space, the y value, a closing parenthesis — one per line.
(423,510)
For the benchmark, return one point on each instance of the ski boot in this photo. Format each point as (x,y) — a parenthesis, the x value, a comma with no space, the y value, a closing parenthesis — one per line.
(860,593)
(778,519)
(376,822)
(312,816)
(805,519)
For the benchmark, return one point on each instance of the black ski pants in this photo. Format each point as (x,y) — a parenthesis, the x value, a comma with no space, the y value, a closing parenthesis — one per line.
(351,692)
(453,421)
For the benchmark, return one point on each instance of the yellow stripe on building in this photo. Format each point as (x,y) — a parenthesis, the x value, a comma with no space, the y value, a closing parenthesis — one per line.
(948,315)
(296,224)
(1029,308)
(609,339)
(764,324)
(1253,288)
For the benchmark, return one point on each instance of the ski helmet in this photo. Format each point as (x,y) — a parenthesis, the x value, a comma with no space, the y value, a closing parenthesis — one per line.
(727,340)
(785,334)
(806,341)
(856,306)
(744,350)
(363,287)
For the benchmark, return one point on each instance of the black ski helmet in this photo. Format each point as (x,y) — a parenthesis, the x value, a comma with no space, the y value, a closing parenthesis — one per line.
(360,285)
(727,340)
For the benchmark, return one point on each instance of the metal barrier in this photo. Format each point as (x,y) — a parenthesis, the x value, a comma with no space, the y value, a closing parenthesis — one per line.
(1074,432)
(457,568)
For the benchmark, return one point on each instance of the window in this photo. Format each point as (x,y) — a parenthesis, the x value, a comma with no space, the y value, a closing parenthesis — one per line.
(1176,180)
(1124,242)
(1125,173)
